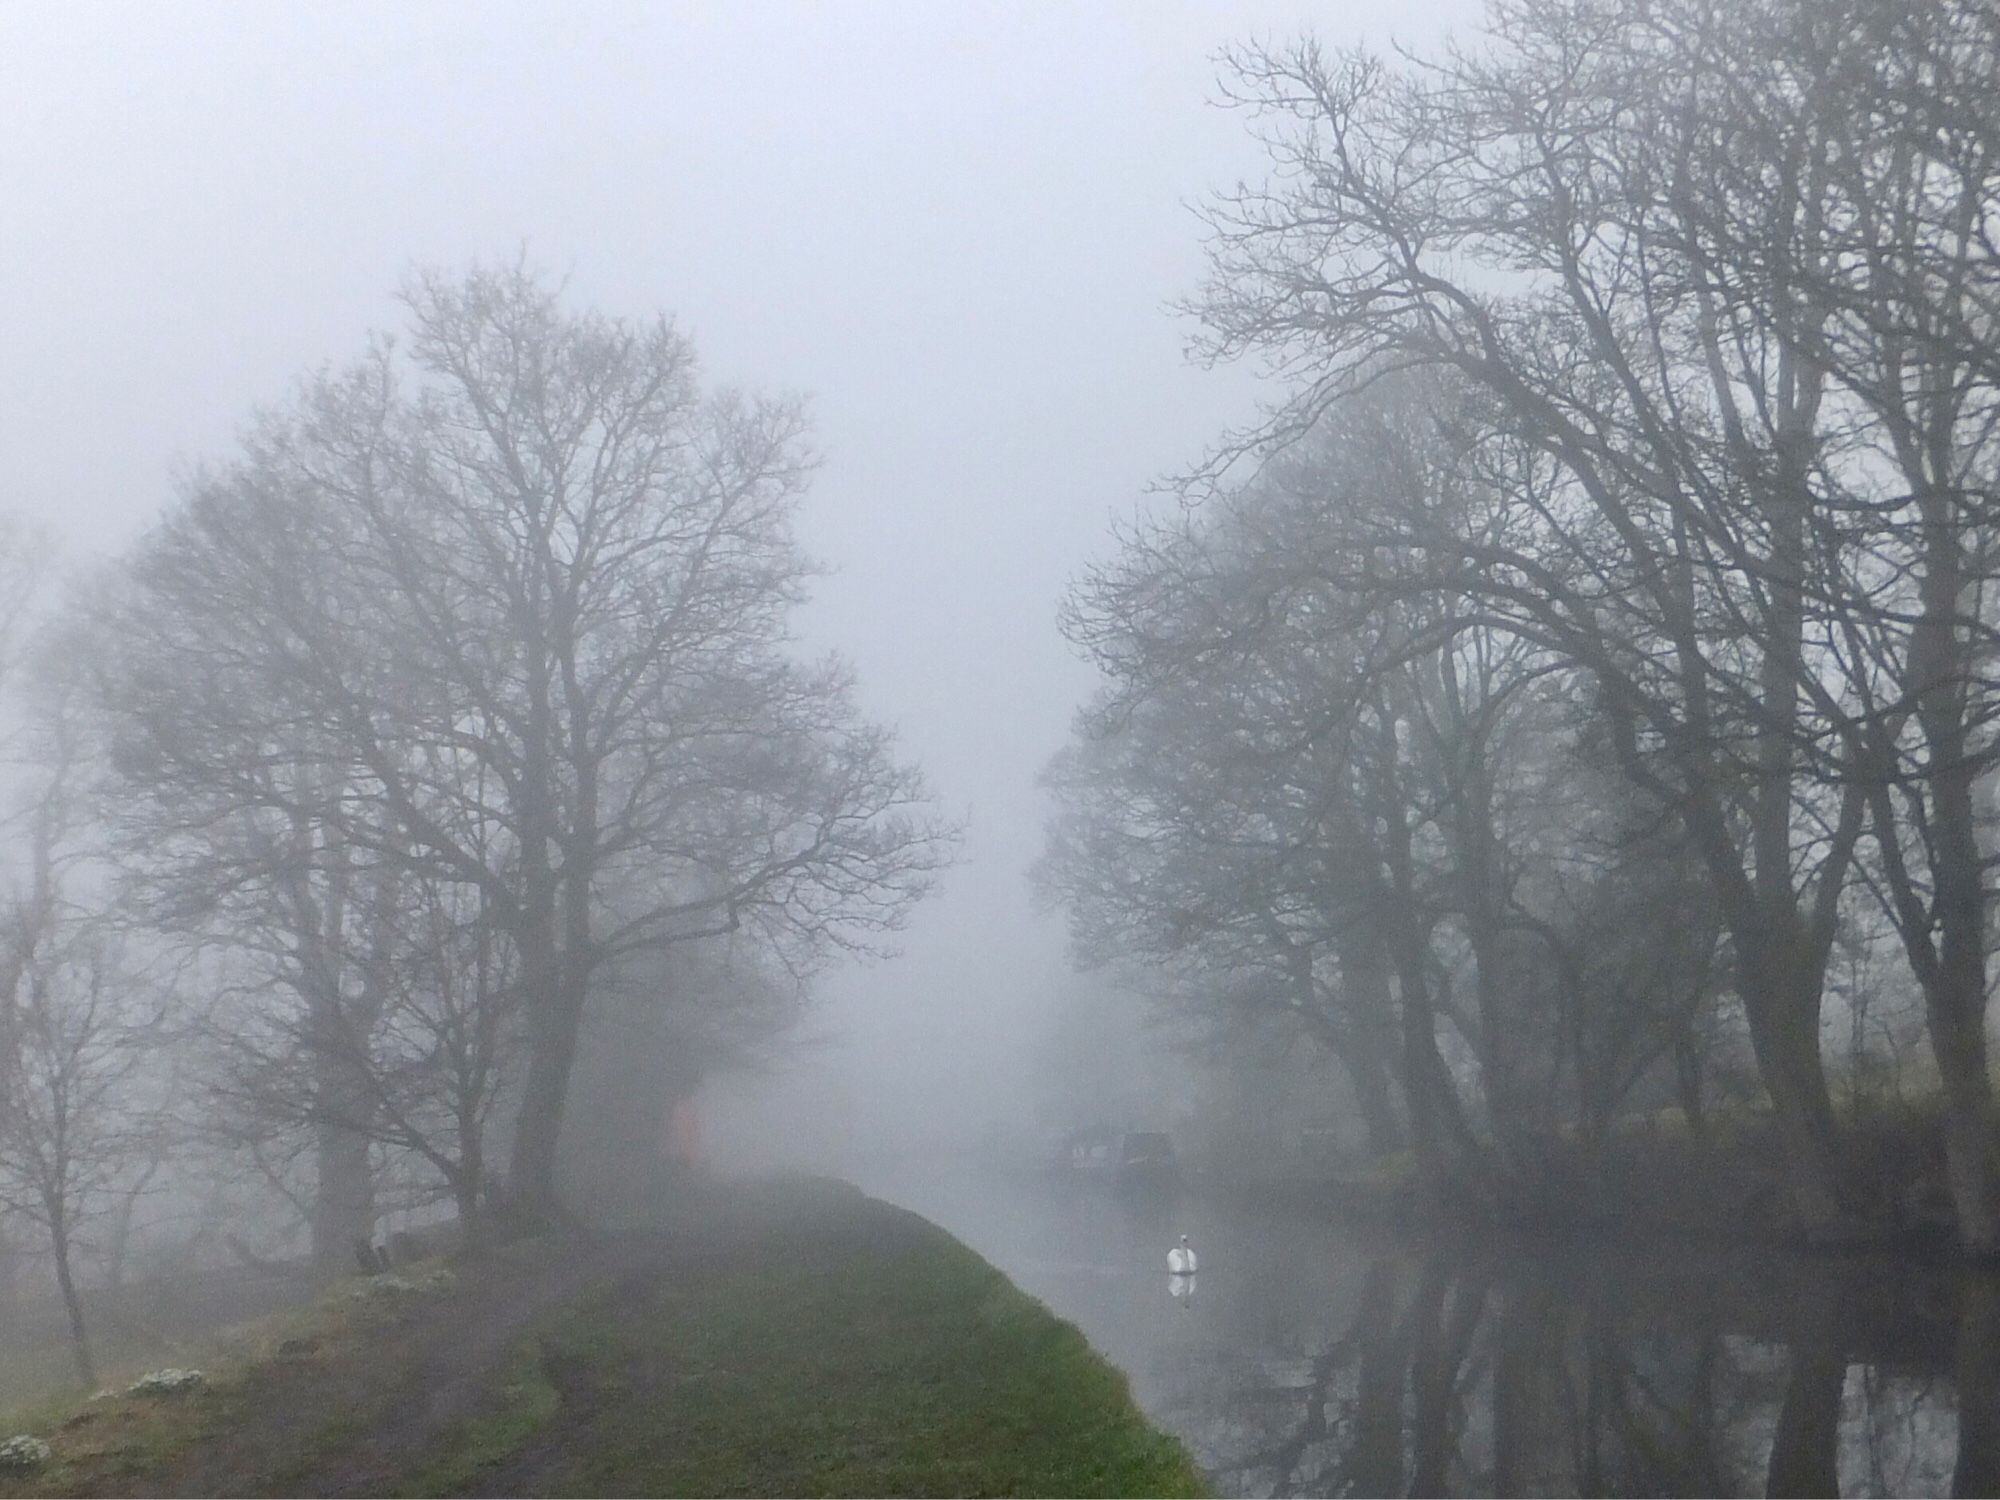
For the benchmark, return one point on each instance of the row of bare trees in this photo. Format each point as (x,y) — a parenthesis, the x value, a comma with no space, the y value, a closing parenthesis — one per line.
(1606,624)
(1376,819)
(426,731)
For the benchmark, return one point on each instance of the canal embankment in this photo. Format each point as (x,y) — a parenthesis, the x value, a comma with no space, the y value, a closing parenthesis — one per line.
(787,1338)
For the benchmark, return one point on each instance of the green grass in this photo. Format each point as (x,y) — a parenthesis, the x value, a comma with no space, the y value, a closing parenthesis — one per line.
(853,1350)
(115,1444)
(799,1340)
(522,1405)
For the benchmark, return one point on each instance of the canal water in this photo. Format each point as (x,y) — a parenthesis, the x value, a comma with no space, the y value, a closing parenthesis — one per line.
(1309,1357)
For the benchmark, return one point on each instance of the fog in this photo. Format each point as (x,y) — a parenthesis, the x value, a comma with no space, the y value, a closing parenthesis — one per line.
(1363,634)
(957,230)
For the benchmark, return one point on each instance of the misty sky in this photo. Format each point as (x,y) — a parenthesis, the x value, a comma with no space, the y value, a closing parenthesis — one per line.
(956,227)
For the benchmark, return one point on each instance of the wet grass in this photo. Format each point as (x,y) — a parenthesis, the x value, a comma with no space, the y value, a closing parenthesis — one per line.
(848,1349)
(115,1442)
(800,1339)
(520,1406)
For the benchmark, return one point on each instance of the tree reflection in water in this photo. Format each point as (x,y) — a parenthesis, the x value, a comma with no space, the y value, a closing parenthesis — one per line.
(1444,1378)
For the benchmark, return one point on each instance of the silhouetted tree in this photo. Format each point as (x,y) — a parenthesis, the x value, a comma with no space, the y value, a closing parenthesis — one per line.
(506,605)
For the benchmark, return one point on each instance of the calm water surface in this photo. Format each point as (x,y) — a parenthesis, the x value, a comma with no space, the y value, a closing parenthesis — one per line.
(1316,1359)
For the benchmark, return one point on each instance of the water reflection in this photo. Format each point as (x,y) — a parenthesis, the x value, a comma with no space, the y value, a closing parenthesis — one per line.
(1450,1379)
(1323,1361)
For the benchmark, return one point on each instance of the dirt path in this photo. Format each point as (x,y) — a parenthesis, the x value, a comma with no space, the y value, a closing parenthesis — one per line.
(789,1337)
(530,1468)
(388,1407)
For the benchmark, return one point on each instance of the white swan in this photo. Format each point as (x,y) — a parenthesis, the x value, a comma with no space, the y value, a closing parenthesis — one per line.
(1180,1259)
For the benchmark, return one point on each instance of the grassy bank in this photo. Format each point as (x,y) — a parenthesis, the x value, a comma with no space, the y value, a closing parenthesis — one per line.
(800,1339)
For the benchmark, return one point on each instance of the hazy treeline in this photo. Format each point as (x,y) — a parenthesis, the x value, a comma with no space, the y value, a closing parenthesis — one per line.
(438,769)
(1593,650)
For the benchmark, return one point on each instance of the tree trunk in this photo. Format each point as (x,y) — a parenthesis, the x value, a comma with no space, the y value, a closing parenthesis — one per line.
(1951,972)
(1688,1090)
(1374,1094)
(1370,1051)
(1784,977)
(79,1336)
(10,1277)
(1475,853)
(1955,984)
(1976,1371)
(1375,1459)
(1430,1430)
(1449,1161)
(551,1044)
(1439,1130)
(342,1027)
(1782,989)
(552,1037)
(344,1194)
(1426,1082)
(468,1185)
(1958,1037)
(1529,1347)
(121,1229)
(1805,1450)
(1444,1335)
(471,1223)
(555,997)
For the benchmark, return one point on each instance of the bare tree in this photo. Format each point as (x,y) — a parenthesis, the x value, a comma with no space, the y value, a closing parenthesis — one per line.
(69,1034)
(1729,272)
(1299,770)
(1896,103)
(508,606)
(415,1057)
(1512,215)
(1210,819)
